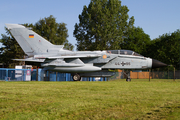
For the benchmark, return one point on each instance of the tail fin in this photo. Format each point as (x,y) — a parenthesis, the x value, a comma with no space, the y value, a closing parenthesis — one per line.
(30,42)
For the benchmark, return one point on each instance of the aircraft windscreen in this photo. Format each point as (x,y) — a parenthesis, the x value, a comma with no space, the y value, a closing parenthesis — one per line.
(123,52)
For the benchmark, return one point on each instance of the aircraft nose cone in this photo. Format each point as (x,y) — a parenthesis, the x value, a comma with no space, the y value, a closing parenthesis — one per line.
(157,64)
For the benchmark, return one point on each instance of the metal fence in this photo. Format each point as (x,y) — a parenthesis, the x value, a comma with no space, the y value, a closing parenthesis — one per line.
(147,75)
(165,75)
(7,74)
(32,75)
(18,74)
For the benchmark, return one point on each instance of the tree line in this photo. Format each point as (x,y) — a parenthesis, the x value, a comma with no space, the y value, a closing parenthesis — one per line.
(103,25)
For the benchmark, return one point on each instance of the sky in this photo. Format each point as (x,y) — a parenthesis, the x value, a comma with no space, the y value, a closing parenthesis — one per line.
(155,17)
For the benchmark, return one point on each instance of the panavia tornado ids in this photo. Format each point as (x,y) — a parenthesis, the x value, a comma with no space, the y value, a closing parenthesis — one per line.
(78,63)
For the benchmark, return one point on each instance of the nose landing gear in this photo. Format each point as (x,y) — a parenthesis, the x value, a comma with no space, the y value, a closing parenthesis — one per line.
(128,78)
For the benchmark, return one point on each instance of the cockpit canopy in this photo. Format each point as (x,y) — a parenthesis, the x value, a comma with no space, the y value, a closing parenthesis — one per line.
(123,52)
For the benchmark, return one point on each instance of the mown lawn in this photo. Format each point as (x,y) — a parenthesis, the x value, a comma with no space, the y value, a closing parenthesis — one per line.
(118,99)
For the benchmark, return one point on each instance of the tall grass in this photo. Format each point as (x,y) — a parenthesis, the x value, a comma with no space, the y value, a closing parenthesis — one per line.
(118,99)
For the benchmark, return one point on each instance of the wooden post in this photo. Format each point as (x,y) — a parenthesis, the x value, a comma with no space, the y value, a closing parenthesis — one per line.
(137,75)
(149,75)
(168,72)
(174,73)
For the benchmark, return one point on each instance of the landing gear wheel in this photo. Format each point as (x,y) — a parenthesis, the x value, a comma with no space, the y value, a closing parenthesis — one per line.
(128,79)
(76,77)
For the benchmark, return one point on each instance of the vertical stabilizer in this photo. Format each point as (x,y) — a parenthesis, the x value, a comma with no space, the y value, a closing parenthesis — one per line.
(30,42)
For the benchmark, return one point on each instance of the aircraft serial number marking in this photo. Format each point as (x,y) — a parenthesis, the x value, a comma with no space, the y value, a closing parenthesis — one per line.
(122,63)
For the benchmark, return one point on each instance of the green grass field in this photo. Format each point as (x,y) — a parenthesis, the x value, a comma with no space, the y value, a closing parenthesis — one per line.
(118,99)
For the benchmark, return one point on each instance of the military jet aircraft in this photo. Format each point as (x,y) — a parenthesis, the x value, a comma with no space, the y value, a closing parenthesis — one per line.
(78,63)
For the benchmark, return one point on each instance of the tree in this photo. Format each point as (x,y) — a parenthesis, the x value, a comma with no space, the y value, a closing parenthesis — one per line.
(10,50)
(54,32)
(102,25)
(136,40)
(166,48)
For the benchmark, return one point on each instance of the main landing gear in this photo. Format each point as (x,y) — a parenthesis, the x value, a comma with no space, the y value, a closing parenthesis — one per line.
(76,77)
